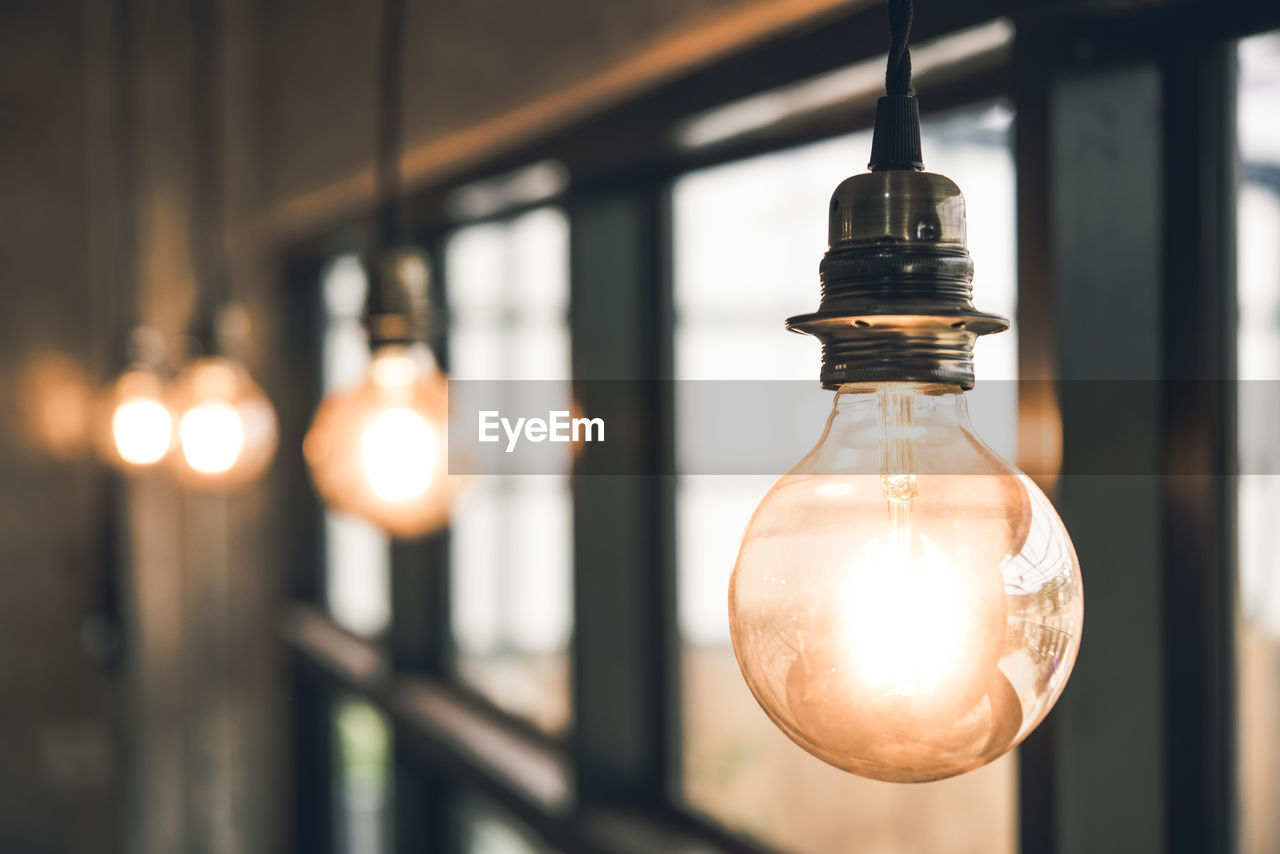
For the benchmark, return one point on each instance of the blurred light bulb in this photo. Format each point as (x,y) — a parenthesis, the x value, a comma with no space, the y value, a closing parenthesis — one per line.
(906,605)
(378,450)
(141,428)
(212,437)
(226,425)
(398,450)
(138,424)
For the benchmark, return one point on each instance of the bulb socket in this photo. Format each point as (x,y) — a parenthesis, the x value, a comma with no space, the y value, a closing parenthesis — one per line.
(397,308)
(897,287)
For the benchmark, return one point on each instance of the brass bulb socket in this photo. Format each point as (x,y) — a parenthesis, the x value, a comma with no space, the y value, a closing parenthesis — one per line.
(897,287)
(398,310)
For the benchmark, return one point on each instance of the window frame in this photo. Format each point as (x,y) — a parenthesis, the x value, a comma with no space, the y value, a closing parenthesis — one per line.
(610,787)
(438,240)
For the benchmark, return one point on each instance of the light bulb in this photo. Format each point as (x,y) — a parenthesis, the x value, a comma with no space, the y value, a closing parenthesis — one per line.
(378,450)
(906,605)
(212,436)
(141,428)
(138,427)
(397,451)
(226,426)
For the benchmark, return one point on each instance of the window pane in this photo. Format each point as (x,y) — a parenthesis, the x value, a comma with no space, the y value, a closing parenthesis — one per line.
(484,827)
(362,798)
(1258,263)
(738,768)
(357,554)
(511,548)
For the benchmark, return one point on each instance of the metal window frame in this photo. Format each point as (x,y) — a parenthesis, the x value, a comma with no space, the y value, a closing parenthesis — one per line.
(610,789)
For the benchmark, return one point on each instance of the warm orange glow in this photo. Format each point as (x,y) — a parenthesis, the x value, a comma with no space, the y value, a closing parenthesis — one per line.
(212,437)
(134,429)
(226,426)
(54,405)
(398,450)
(142,430)
(379,450)
(903,621)
(906,605)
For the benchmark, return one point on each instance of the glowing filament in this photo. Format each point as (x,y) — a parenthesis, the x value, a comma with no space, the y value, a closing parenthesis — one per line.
(212,437)
(398,449)
(903,622)
(141,428)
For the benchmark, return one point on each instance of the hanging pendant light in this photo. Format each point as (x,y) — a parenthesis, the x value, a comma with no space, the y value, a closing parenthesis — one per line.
(906,605)
(135,425)
(378,450)
(225,424)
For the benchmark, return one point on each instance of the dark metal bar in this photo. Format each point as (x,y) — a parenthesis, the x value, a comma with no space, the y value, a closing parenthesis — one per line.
(311,771)
(419,606)
(420,820)
(1037,360)
(313,767)
(1199,511)
(620,710)
(295,402)
(1105,249)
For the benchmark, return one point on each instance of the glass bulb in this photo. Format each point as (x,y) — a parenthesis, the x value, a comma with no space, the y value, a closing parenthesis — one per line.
(212,436)
(226,426)
(139,426)
(378,450)
(906,605)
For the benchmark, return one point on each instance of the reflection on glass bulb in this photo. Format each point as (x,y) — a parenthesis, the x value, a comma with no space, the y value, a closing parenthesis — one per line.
(212,436)
(378,450)
(226,425)
(906,605)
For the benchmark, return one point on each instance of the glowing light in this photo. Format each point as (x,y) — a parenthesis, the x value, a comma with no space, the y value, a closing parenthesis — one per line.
(379,450)
(912,615)
(395,370)
(226,426)
(398,450)
(212,437)
(142,429)
(903,622)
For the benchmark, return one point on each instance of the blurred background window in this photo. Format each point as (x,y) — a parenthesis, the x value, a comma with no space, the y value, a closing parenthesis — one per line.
(738,767)
(484,827)
(362,797)
(357,554)
(1258,277)
(511,559)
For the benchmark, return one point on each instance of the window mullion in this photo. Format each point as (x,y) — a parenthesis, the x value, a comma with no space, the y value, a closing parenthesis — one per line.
(621,544)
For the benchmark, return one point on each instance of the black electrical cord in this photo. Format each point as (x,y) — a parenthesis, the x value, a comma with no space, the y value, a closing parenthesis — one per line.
(390,122)
(895,143)
(394,309)
(125,309)
(897,77)
(208,238)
